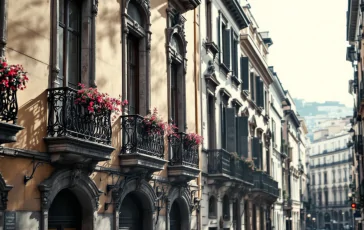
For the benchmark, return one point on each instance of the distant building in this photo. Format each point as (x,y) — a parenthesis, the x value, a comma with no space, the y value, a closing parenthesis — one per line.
(330,162)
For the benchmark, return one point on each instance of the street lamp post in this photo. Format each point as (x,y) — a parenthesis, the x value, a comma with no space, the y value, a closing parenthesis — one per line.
(314,220)
(309,220)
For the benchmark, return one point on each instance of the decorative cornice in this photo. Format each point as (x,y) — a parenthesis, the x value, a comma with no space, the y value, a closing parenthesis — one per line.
(256,58)
(237,13)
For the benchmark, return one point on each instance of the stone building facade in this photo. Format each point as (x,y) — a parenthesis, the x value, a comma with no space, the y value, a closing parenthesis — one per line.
(330,171)
(63,167)
(237,188)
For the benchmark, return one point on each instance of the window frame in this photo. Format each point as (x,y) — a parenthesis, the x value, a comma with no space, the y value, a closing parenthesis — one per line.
(175,28)
(89,10)
(141,32)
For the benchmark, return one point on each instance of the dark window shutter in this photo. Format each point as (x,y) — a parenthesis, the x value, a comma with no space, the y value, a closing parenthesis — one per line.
(260,150)
(258,91)
(223,127)
(244,72)
(236,61)
(255,151)
(242,133)
(230,129)
(218,24)
(262,93)
(226,48)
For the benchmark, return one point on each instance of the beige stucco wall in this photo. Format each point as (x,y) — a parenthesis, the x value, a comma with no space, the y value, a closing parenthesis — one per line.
(29,31)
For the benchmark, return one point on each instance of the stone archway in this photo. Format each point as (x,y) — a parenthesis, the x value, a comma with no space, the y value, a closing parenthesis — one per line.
(4,190)
(180,198)
(79,183)
(139,196)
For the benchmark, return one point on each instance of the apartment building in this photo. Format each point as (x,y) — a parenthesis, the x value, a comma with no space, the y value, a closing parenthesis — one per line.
(237,189)
(66,164)
(331,160)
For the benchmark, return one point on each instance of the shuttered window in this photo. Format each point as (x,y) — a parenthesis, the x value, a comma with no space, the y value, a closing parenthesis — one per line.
(244,72)
(211,121)
(242,135)
(230,129)
(226,46)
(257,152)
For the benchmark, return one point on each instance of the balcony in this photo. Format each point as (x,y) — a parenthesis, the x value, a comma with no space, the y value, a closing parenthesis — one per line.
(142,150)
(74,134)
(219,165)
(184,159)
(242,172)
(264,187)
(8,114)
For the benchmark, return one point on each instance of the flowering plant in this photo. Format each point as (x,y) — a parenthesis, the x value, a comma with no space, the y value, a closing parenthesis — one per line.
(248,161)
(97,102)
(193,139)
(12,76)
(154,124)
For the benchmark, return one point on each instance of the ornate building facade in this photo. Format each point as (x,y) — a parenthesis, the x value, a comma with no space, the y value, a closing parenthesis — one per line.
(330,169)
(65,165)
(237,188)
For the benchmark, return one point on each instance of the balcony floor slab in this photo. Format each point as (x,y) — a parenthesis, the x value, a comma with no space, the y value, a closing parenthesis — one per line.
(8,132)
(71,150)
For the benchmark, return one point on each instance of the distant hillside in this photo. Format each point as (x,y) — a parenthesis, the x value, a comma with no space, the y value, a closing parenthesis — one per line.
(329,108)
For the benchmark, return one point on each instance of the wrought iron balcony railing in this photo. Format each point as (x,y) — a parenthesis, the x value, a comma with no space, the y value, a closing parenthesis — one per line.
(182,152)
(264,182)
(219,162)
(8,105)
(137,139)
(66,118)
(242,171)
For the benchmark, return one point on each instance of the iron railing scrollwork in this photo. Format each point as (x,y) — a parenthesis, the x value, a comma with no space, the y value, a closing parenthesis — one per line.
(137,138)
(242,171)
(182,151)
(66,118)
(8,104)
(264,182)
(218,161)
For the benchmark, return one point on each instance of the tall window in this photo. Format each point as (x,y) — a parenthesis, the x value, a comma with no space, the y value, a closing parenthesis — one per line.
(177,84)
(326,198)
(212,207)
(211,121)
(325,177)
(136,58)
(208,21)
(133,74)
(273,132)
(313,179)
(174,94)
(69,36)
(333,175)
(252,86)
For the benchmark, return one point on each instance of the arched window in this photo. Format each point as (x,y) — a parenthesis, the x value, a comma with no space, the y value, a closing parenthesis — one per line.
(136,56)
(134,13)
(212,207)
(226,208)
(176,56)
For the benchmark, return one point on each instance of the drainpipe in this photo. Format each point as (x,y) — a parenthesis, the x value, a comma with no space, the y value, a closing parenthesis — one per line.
(197,87)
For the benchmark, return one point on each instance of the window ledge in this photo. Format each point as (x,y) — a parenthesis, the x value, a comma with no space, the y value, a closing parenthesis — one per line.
(212,47)
(224,67)
(235,80)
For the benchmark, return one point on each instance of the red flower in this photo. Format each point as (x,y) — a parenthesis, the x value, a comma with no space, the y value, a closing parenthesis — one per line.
(12,76)
(97,102)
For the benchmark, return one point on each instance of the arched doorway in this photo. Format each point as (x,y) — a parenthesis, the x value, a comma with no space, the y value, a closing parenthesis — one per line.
(175,217)
(180,209)
(131,213)
(65,212)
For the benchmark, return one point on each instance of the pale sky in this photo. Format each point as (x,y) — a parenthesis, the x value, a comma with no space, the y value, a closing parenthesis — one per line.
(309,46)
